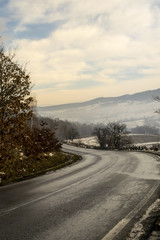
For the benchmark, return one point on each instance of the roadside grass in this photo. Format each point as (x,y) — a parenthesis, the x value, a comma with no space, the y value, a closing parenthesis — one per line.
(22,168)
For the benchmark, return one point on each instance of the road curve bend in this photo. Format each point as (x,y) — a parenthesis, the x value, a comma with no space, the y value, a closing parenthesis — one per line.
(94,199)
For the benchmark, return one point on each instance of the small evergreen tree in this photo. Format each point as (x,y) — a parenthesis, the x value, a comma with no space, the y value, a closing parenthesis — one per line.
(37,141)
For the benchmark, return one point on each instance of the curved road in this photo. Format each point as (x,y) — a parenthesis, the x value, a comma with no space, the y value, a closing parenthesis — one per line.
(98,198)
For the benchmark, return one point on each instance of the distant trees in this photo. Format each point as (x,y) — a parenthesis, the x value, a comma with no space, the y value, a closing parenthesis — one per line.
(145,129)
(114,135)
(85,129)
(66,130)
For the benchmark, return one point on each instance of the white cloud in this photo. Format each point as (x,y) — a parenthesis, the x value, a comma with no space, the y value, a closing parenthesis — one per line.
(3,22)
(116,12)
(98,41)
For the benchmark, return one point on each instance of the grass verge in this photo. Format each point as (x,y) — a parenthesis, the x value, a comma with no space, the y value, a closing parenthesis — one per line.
(24,168)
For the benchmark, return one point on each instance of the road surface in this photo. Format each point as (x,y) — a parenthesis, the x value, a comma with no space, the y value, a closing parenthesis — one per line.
(97,198)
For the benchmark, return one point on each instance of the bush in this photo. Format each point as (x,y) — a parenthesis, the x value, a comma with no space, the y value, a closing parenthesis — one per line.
(26,167)
(37,141)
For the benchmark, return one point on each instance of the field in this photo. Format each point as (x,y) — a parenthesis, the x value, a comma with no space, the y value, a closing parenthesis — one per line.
(137,139)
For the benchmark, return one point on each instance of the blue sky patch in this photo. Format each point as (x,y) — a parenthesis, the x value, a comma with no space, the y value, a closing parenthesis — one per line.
(3,8)
(128,74)
(83,84)
(38,31)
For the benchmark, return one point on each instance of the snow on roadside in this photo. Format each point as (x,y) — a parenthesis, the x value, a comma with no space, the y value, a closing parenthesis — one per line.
(139,229)
(89,141)
(146,143)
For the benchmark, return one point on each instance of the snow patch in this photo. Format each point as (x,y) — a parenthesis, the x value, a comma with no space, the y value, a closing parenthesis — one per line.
(138,229)
(89,141)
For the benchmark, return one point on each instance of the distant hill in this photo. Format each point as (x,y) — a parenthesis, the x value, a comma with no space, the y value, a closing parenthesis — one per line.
(135,109)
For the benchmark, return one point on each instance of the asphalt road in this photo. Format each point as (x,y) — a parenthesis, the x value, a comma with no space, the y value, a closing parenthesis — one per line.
(97,198)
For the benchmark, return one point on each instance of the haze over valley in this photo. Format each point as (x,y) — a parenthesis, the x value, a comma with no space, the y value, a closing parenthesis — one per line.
(133,110)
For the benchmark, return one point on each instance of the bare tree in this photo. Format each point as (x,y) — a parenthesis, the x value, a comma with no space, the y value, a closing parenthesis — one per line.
(113,135)
(116,134)
(101,134)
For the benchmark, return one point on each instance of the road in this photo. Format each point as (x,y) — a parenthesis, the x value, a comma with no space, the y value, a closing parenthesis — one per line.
(97,198)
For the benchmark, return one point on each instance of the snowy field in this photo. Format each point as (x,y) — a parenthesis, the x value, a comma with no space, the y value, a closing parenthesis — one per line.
(89,141)
(92,141)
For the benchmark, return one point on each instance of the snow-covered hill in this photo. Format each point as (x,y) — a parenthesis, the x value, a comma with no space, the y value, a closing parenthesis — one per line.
(135,109)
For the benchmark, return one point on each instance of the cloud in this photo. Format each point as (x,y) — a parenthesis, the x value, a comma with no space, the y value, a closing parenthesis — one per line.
(2,24)
(32,12)
(116,13)
(113,47)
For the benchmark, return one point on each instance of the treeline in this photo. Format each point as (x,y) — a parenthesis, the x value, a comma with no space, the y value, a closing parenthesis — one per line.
(65,130)
(145,129)
(114,135)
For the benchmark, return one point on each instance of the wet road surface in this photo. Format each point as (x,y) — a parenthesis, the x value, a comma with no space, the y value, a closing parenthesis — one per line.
(94,199)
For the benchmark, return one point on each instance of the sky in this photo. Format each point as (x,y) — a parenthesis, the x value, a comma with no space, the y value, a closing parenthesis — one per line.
(80,50)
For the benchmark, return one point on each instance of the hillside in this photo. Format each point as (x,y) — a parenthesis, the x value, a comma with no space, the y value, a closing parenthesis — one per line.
(135,109)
